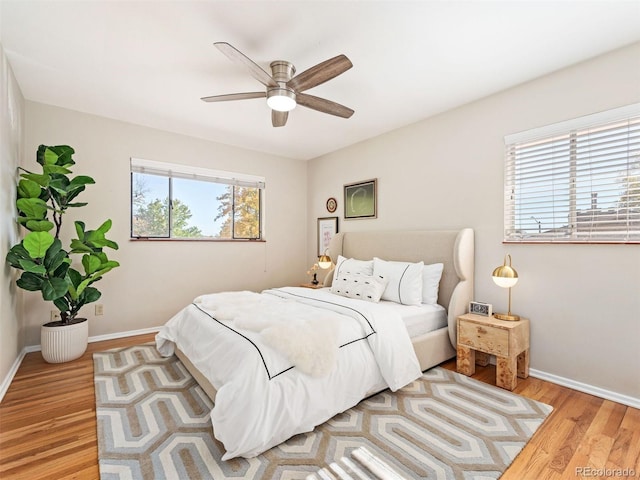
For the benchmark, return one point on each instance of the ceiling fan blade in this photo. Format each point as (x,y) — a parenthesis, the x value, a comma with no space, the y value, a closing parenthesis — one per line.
(239,57)
(323,105)
(279,119)
(234,96)
(320,73)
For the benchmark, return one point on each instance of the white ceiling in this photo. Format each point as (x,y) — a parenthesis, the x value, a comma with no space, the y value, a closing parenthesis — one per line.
(149,62)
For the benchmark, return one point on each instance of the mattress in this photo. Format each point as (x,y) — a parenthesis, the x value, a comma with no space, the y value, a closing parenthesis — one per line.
(419,319)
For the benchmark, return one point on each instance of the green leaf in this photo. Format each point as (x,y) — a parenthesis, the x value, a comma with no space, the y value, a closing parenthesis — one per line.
(28,189)
(104,270)
(74,277)
(83,284)
(39,225)
(53,250)
(80,229)
(91,295)
(59,184)
(54,288)
(42,180)
(64,153)
(81,180)
(30,281)
(17,253)
(37,243)
(48,169)
(79,247)
(50,156)
(91,263)
(62,304)
(32,207)
(52,263)
(105,227)
(61,271)
(77,204)
(33,267)
(111,244)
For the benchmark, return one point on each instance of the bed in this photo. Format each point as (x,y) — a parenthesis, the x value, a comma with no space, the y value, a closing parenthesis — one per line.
(263,397)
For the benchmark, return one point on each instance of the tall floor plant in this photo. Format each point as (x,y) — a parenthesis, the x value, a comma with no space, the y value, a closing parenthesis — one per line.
(42,200)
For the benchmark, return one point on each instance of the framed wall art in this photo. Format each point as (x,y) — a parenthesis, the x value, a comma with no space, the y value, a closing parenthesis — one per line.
(327,228)
(360,200)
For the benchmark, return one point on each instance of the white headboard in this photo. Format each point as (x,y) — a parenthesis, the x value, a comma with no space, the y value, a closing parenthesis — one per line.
(453,248)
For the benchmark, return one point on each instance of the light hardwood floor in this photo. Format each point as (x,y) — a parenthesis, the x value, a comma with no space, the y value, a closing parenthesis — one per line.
(48,426)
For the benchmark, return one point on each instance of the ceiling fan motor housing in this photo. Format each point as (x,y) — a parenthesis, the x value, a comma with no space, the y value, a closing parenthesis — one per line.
(281,98)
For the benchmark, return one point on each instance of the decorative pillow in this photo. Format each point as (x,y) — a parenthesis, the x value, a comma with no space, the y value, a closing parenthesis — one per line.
(359,285)
(351,265)
(405,281)
(431,275)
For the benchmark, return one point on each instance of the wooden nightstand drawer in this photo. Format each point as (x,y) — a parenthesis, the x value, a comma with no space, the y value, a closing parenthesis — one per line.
(485,338)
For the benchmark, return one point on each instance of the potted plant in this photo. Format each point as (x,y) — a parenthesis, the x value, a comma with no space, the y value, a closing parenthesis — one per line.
(42,200)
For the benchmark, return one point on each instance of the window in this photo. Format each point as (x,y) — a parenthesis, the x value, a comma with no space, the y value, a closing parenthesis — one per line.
(181,202)
(575,181)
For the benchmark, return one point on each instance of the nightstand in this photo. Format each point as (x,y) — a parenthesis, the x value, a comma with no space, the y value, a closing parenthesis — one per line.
(479,337)
(311,285)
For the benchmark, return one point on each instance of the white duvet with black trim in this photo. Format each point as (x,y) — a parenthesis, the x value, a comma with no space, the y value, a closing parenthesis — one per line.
(247,350)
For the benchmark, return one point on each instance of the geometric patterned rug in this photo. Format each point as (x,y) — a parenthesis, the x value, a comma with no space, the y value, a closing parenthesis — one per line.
(153,423)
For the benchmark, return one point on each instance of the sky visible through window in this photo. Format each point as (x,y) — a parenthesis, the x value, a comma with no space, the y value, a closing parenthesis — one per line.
(200,198)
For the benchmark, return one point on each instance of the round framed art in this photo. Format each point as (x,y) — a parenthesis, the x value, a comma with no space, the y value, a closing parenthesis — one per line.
(332,205)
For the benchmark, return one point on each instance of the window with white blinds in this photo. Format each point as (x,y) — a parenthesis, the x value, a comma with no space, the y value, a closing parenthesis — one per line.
(576,181)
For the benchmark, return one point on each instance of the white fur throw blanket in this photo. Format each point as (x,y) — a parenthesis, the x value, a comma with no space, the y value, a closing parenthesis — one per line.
(306,336)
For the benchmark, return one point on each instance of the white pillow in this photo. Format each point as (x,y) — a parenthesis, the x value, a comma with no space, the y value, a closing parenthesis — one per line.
(405,280)
(351,265)
(359,285)
(431,275)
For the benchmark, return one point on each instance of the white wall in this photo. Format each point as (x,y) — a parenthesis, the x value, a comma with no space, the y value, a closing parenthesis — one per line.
(11,129)
(447,172)
(158,278)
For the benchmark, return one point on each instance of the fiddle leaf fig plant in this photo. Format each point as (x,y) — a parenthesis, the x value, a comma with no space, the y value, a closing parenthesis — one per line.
(42,200)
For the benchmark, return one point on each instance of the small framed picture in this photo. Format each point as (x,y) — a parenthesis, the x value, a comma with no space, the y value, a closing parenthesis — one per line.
(360,200)
(327,228)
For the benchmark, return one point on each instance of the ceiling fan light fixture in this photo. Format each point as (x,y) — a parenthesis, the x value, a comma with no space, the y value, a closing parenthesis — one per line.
(281,99)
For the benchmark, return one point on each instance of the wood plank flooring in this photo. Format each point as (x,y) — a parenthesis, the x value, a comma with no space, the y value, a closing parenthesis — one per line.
(48,426)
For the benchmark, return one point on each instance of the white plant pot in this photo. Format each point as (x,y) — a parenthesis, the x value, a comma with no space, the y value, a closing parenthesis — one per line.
(64,343)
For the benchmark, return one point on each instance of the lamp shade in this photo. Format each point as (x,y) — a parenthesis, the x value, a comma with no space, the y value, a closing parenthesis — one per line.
(505,276)
(324,261)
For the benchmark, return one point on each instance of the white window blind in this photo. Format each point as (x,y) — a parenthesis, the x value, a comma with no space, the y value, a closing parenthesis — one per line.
(139,165)
(575,181)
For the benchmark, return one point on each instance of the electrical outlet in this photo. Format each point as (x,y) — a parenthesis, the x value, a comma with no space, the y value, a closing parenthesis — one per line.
(99,309)
(55,315)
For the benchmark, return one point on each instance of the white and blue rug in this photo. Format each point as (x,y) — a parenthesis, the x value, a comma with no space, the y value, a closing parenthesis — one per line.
(153,423)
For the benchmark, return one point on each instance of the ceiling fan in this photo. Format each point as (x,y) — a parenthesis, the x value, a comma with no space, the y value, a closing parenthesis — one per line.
(284,91)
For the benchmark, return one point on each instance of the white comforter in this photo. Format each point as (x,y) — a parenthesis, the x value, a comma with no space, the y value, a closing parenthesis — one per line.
(262,399)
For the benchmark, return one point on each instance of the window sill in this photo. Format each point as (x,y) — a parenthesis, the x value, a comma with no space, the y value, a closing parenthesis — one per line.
(215,240)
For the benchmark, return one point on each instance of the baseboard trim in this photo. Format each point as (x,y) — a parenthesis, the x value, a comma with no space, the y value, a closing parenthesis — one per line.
(130,333)
(4,386)
(586,388)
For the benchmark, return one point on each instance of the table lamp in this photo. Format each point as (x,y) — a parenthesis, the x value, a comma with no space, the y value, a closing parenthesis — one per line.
(506,277)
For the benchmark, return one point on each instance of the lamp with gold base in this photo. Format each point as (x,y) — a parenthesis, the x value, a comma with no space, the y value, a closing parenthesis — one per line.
(506,277)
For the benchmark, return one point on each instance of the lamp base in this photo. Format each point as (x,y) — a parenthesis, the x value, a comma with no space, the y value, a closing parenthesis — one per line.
(506,316)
